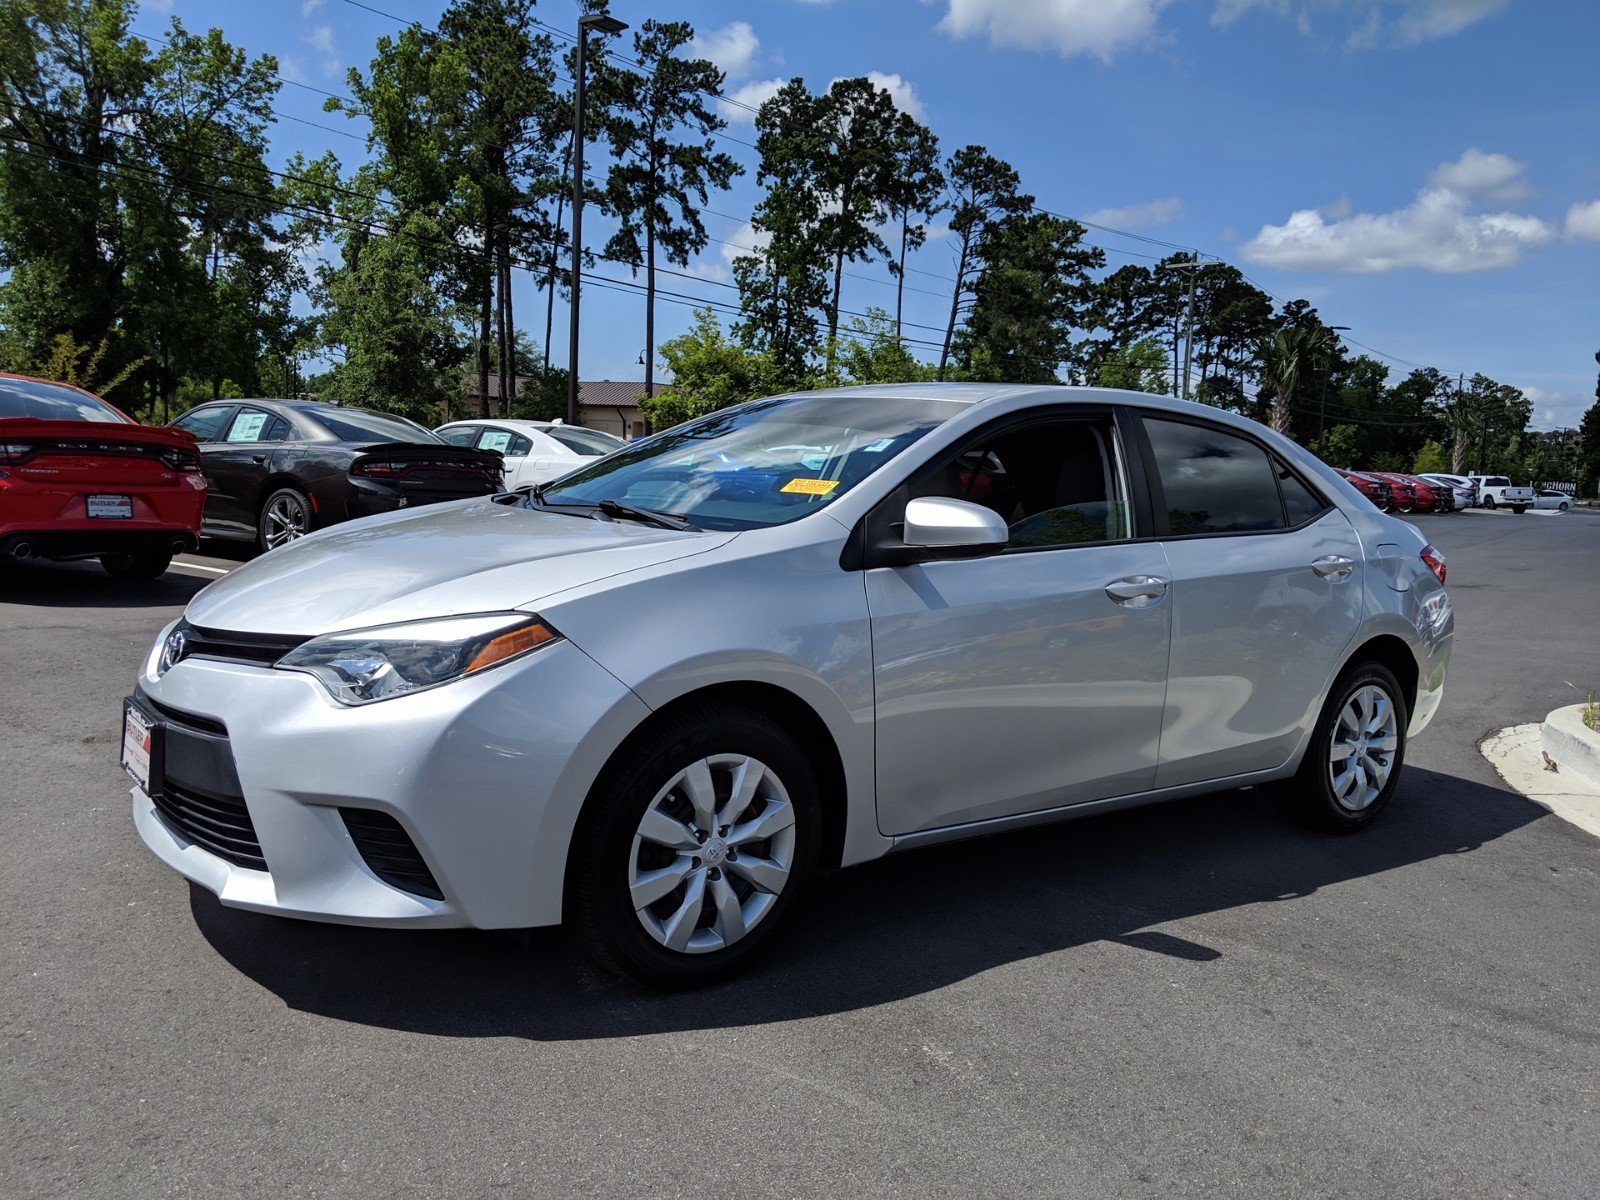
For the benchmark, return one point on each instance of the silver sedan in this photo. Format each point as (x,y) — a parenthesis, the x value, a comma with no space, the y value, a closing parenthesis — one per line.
(654,699)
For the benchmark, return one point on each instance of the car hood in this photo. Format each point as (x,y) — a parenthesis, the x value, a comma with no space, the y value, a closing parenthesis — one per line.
(464,557)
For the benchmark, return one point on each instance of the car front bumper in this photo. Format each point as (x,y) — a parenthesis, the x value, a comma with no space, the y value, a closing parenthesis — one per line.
(485,775)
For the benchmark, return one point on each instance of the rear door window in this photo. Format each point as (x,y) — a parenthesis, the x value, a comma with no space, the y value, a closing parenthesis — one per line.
(1212,481)
(255,425)
(461,435)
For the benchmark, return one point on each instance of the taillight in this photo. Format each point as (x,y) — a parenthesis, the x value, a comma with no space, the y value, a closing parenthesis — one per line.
(13,452)
(376,469)
(1435,562)
(182,460)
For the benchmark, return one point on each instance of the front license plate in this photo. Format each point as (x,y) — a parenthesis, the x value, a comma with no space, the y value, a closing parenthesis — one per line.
(115,507)
(137,737)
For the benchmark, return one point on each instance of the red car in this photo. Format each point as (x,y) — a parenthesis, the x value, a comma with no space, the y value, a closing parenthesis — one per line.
(1374,489)
(1410,493)
(81,479)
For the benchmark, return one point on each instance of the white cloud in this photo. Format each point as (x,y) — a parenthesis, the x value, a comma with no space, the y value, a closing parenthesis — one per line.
(1583,220)
(738,105)
(1337,210)
(1136,216)
(1070,27)
(1438,231)
(311,6)
(320,39)
(1555,410)
(900,90)
(734,48)
(1374,22)
(1495,176)
(289,67)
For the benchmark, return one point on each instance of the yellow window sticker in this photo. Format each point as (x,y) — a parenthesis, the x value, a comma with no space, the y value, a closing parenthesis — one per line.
(810,487)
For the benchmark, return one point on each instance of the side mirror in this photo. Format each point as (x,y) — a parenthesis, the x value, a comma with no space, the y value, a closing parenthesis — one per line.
(938,523)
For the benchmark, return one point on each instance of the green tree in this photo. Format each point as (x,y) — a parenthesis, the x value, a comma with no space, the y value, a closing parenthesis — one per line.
(665,161)
(856,171)
(1430,460)
(916,185)
(710,371)
(782,282)
(1340,446)
(71,74)
(1294,352)
(872,352)
(983,188)
(1139,367)
(1030,293)
(1588,475)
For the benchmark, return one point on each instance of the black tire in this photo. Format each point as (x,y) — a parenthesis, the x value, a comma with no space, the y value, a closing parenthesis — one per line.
(291,500)
(1488,502)
(138,567)
(1519,509)
(1563,506)
(1310,795)
(600,914)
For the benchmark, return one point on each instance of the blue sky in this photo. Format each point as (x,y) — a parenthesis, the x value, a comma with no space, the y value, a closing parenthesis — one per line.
(1426,172)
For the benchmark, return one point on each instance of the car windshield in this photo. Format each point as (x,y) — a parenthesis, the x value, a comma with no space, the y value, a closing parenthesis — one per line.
(764,463)
(588,442)
(354,425)
(51,402)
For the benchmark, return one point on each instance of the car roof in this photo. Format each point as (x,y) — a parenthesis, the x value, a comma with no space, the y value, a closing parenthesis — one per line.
(520,424)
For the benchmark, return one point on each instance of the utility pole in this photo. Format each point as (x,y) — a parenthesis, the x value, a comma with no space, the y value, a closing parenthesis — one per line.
(1194,267)
(1327,369)
(605,24)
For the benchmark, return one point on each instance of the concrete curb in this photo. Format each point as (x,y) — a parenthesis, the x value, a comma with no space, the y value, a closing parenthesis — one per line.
(1517,755)
(1572,745)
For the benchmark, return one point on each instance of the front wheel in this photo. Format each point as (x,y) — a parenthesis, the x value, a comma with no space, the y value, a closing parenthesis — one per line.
(692,847)
(285,517)
(1353,763)
(138,567)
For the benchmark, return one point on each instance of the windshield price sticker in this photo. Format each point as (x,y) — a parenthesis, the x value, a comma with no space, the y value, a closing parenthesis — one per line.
(809,487)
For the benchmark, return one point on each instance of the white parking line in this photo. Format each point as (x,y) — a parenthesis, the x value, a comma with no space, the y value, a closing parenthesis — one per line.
(189,566)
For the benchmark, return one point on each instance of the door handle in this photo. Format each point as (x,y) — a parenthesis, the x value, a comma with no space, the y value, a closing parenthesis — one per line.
(258,458)
(1335,568)
(1137,591)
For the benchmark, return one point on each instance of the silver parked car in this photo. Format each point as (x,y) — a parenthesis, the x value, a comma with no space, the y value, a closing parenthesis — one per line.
(653,699)
(534,451)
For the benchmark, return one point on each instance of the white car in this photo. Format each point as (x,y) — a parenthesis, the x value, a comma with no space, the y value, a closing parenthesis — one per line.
(1559,501)
(535,451)
(654,700)
(1462,488)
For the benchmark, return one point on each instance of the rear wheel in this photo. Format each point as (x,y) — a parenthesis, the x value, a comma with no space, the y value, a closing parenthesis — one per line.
(285,517)
(1519,509)
(1488,502)
(1353,763)
(693,847)
(137,567)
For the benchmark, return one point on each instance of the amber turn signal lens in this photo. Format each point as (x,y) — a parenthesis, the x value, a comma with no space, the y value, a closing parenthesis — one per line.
(510,644)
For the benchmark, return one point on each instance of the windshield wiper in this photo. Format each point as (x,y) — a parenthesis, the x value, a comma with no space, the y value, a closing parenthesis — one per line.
(616,508)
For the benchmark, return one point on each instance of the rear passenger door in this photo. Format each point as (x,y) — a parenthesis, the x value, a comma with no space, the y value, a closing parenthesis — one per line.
(513,448)
(238,465)
(1266,596)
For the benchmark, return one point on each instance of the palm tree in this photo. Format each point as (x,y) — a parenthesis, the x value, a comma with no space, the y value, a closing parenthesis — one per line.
(1295,350)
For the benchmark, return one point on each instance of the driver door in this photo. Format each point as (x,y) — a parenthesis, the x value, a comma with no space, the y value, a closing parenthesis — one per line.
(1035,677)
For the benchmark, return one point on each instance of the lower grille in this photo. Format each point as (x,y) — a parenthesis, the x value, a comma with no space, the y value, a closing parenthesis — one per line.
(222,826)
(389,852)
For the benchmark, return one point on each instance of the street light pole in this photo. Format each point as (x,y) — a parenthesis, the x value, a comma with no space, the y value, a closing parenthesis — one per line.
(605,24)
(1327,369)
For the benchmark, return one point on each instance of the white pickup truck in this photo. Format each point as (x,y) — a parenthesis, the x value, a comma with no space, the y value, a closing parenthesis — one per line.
(1495,491)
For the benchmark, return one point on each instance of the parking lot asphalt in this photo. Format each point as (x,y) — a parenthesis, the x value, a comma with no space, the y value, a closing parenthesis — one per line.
(1193,999)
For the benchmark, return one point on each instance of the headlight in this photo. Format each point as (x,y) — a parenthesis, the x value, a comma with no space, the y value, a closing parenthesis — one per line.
(365,665)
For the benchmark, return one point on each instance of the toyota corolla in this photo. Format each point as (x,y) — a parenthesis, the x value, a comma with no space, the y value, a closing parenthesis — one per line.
(654,699)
